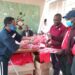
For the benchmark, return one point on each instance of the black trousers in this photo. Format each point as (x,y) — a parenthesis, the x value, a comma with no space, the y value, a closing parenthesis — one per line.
(65,65)
(60,62)
(55,63)
(4,65)
(73,66)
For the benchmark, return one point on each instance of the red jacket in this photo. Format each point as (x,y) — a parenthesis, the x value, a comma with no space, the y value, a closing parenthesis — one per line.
(64,45)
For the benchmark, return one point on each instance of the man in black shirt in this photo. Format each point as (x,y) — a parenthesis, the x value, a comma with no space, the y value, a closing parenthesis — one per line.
(27,32)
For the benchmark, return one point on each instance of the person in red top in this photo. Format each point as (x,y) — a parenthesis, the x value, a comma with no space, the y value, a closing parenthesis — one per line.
(56,32)
(70,18)
(66,60)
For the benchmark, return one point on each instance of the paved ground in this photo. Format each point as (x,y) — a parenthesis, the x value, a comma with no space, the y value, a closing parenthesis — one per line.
(51,71)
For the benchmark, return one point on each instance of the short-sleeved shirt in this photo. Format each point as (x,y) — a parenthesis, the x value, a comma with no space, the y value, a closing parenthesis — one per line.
(57,34)
(7,42)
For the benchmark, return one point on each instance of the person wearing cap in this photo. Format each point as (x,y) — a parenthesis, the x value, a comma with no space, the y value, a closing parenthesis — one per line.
(70,62)
(64,63)
(57,32)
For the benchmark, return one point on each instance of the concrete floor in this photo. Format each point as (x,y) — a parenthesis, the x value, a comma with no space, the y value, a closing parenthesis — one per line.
(51,71)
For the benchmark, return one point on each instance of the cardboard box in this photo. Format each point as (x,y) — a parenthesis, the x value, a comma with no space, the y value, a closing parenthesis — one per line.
(21,68)
(26,69)
(42,66)
(23,73)
(42,72)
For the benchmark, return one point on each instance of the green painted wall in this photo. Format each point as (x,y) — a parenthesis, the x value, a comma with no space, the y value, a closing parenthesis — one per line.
(31,12)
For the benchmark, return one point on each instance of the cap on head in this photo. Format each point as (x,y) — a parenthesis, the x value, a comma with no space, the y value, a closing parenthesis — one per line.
(70,14)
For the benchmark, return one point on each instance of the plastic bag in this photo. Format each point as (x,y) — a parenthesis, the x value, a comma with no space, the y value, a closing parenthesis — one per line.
(44,57)
(22,58)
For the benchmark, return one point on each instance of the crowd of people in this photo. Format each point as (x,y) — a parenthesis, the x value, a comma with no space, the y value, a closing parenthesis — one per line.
(61,37)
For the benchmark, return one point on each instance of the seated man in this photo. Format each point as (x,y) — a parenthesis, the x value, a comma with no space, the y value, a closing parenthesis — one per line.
(27,32)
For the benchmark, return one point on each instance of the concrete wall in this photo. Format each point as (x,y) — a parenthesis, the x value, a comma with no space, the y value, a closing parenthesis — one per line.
(55,7)
(33,2)
(60,6)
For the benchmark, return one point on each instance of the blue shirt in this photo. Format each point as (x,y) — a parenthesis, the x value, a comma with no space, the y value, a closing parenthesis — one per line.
(7,42)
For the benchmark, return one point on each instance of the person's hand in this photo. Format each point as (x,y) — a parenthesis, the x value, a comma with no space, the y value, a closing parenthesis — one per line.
(60,52)
(23,43)
(48,44)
